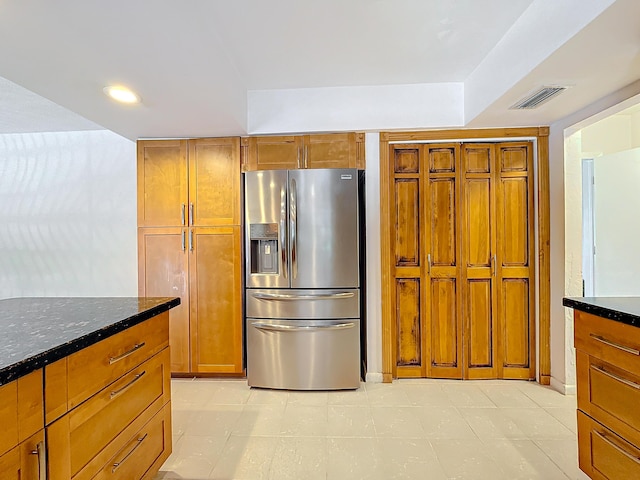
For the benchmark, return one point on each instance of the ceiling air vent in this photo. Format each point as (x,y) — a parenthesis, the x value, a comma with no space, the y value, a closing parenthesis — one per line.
(538,97)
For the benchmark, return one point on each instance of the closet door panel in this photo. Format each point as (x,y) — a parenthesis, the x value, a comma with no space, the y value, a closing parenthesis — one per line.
(514,244)
(480,326)
(407,222)
(443,222)
(409,349)
(444,324)
(515,300)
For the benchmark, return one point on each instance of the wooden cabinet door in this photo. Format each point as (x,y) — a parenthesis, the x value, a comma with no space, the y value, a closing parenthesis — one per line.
(162,183)
(214,181)
(515,268)
(163,266)
(407,294)
(335,150)
(216,300)
(443,335)
(275,153)
(478,234)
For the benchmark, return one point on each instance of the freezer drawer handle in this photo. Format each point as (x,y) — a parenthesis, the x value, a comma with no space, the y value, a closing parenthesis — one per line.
(619,346)
(605,438)
(297,328)
(286,297)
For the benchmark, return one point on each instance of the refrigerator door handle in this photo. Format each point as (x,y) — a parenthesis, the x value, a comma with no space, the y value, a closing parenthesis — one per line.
(283,232)
(293,227)
(293,297)
(299,328)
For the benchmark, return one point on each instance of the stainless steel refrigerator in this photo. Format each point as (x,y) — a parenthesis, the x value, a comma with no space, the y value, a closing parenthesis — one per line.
(302,279)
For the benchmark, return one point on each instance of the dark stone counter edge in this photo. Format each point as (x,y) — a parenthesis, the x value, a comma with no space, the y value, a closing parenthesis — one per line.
(28,365)
(601,311)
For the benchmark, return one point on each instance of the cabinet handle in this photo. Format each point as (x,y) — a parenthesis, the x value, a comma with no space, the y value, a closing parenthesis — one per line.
(124,459)
(190,213)
(624,348)
(429,264)
(115,393)
(183,214)
(306,156)
(184,240)
(191,240)
(630,456)
(137,346)
(493,266)
(629,383)
(41,452)
(298,162)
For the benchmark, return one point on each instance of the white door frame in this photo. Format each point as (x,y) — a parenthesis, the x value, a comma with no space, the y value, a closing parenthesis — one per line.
(588,229)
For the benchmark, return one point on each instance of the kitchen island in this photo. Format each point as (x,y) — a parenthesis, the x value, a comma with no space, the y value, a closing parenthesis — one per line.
(607,342)
(94,374)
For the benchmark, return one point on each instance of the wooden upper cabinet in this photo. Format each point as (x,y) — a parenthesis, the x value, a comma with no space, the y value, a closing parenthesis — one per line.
(189,182)
(334,150)
(214,181)
(162,182)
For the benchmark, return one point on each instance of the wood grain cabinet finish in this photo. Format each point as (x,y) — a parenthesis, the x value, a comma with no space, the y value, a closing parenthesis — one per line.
(22,447)
(334,150)
(119,426)
(196,253)
(608,381)
(462,253)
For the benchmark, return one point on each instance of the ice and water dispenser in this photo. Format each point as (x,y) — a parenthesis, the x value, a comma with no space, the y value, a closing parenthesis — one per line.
(264,248)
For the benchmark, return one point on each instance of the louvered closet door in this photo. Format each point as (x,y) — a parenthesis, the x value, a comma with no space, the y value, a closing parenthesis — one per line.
(515,268)
(478,212)
(404,171)
(443,322)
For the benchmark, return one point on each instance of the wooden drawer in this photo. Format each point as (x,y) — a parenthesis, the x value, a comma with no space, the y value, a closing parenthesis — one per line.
(76,438)
(93,368)
(21,410)
(609,394)
(603,454)
(26,461)
(615,342)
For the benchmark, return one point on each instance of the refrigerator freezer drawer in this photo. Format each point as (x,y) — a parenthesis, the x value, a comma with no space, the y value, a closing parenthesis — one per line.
(309,304)
(303,355)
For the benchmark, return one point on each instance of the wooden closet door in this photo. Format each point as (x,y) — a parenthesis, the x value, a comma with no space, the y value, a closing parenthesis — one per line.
(479,253)
(443,333)
(515,268)
(214,181)
(216,299)
(407,271)
(162,183)
(163,272)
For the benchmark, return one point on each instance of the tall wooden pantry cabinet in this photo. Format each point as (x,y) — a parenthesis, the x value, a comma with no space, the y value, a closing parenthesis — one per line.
(189,245)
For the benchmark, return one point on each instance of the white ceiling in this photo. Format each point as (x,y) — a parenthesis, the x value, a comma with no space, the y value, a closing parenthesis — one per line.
(195,64)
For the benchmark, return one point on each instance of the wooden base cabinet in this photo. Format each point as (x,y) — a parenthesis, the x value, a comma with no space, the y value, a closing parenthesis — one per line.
(462,259)
(189,245)
(22,447)
(608,381)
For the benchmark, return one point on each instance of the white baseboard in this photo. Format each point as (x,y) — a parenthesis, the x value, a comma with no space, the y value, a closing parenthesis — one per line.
(563,388)
(373,377)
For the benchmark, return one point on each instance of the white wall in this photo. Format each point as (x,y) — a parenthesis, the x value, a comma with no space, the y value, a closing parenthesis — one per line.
(617,227)
(562,355)
(609,135)
(68,215)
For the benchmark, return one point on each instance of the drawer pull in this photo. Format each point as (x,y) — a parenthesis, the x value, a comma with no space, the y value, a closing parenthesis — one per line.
(42,460)
(115,393)
(137,346)
(630,456)
(124,459)
(624,348)
(629,383)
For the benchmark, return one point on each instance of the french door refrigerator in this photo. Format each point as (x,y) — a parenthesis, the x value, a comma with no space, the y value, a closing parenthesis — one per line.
(302,279)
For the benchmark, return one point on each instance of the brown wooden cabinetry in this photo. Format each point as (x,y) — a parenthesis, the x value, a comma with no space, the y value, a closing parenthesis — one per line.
(462,259)
(336,150)
(108,409)
(193,250)
(608,380)
(22,447)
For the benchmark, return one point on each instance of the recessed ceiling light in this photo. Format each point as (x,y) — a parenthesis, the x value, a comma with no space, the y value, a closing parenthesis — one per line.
(121,94)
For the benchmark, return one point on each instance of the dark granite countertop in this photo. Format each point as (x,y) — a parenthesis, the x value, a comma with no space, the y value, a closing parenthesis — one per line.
(620,309)
(37,331)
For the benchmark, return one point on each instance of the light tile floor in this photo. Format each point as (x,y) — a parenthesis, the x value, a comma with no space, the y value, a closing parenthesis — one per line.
(411,429)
